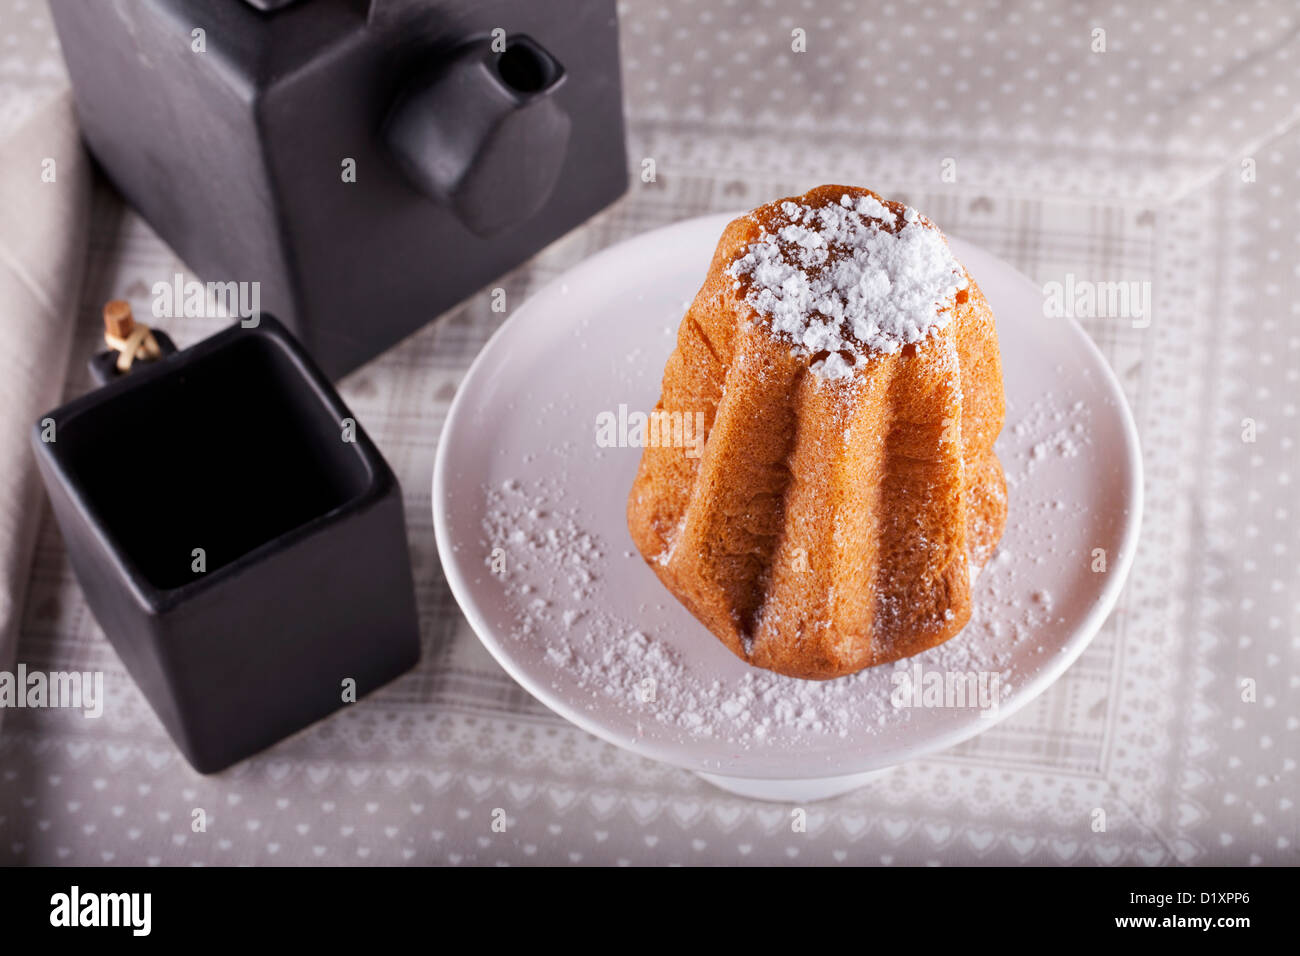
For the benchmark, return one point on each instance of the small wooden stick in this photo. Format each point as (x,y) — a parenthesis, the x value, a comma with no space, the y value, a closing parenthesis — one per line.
(118,320)
(123,335)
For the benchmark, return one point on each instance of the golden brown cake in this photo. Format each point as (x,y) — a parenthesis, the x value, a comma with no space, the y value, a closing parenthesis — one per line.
(846,367)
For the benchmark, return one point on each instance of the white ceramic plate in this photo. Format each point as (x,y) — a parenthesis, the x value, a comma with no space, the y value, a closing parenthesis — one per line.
(519,460)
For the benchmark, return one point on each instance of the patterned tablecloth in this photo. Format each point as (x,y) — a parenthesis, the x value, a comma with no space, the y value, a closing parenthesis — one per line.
(1100,141)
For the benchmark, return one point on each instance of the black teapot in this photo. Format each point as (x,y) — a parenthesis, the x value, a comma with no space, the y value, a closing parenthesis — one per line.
(368,162)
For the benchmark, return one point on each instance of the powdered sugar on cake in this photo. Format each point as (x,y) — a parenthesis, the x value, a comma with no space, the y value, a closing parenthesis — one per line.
(844,280)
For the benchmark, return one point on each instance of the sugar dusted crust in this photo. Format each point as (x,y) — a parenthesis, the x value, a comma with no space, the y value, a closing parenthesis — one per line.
(843,277)
(831,523)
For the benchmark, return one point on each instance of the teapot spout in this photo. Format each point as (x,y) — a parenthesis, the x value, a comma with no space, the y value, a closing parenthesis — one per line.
(483,134)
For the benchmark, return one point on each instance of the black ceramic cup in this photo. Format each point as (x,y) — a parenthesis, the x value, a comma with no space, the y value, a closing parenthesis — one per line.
(238,537)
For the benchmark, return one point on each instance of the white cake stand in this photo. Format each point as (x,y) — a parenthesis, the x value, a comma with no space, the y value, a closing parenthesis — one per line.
(598,336)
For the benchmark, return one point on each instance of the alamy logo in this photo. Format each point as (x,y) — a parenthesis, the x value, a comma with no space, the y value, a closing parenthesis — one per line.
(74,908)
(659,429)
(178,298)
(915,687)
(76,689)
(1083,299)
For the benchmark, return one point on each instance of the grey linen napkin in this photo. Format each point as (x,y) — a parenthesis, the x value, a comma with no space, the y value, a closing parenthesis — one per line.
(44,217)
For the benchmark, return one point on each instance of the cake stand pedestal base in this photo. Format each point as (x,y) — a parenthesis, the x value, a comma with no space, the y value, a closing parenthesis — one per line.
(793,791)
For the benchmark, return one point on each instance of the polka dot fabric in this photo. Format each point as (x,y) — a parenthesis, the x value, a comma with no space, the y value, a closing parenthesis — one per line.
(1178,87)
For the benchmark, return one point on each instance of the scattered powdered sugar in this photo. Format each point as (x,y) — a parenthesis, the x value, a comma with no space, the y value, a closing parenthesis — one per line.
(1010,616)
(835,282)
(552,572)
(1048,430)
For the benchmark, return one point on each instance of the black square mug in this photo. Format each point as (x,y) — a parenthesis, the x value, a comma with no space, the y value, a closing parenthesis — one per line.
(239,539)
